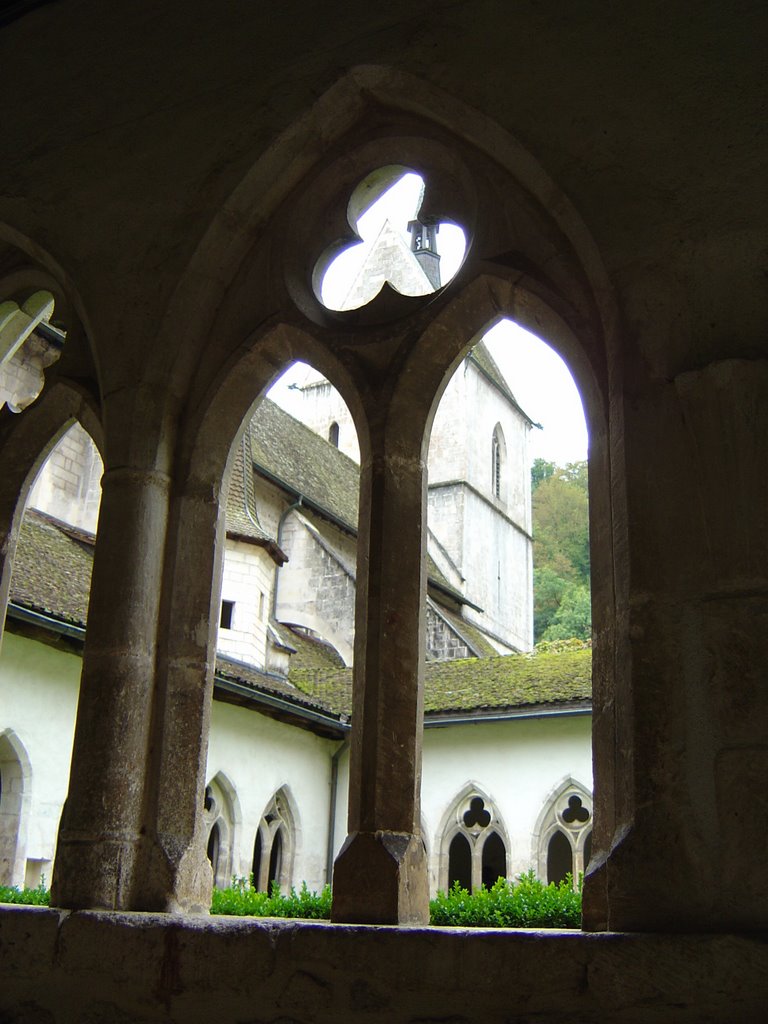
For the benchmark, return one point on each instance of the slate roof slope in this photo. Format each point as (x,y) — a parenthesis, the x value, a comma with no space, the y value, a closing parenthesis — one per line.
(240,502)
(309,465)
(298,457)
(52,570)
(52,573)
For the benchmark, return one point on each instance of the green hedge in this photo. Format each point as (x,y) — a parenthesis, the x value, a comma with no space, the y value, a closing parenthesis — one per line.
(527,903)
(37,897)
(240,899)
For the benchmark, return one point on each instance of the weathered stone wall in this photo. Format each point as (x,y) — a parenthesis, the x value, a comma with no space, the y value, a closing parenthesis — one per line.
(316,587)
(64,968)
(68,485)
(443,643)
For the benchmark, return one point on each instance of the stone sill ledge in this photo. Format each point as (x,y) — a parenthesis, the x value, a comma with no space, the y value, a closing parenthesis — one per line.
(58,967)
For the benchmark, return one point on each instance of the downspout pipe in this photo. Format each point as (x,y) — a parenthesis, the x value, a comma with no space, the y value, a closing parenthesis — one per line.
(341,749)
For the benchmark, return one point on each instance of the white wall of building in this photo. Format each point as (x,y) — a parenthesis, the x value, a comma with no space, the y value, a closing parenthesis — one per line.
(248,582)
(259,756)
(39,687)
(517,763)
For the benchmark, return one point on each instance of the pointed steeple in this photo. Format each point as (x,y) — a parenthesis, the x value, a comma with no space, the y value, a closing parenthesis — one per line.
(424,248)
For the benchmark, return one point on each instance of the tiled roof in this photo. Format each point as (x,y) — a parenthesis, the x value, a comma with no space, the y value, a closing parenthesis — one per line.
(240,501)
(504,682)
(305,463)
(51,570)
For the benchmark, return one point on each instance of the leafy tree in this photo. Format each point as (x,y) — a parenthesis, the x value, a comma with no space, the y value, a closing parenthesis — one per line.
(541,470)
(573,617)
(548,591)
(561,551)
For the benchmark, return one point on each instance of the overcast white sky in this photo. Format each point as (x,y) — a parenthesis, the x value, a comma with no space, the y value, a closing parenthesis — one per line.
(537,376)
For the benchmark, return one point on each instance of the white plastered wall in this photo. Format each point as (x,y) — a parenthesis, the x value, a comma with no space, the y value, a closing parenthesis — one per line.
(516,763)
(39,686)
(247,581)
(259,756)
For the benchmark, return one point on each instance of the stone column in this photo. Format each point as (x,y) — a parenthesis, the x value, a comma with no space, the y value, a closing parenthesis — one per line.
(380,876)
(693,804)
(100,830)
(175,873)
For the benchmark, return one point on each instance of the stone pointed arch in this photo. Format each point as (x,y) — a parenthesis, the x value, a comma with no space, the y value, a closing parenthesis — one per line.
(551,821)
(454,824)
(191,585)
(498,463)
(276,842)
(15,800)
(26,441)
(331,124)
(223,819)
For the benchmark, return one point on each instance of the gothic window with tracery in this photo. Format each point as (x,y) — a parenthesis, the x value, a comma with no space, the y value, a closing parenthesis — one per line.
(273,846)
(218,814)
(563,837)
(474,847)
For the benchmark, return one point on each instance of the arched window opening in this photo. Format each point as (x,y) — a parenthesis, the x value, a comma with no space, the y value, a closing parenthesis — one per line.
(474,852)
(460,862)
(494,863)
(15,779)
(274,846)
(275,860)
(299,481)
(219,818)
(559,858)
(214,843)
(413,255)
(256,863)
(563,836)
(507,497)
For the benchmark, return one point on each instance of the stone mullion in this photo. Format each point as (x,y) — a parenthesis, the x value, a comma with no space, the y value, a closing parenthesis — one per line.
(176,875)
(381,875)
(100,830)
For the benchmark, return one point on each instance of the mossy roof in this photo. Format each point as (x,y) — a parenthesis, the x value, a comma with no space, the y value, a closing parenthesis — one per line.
(476,638)
(52,573)
(501,683)
(52,569)
(312,654)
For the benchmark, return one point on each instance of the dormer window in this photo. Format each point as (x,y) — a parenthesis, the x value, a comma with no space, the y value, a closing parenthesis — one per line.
(333,434)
